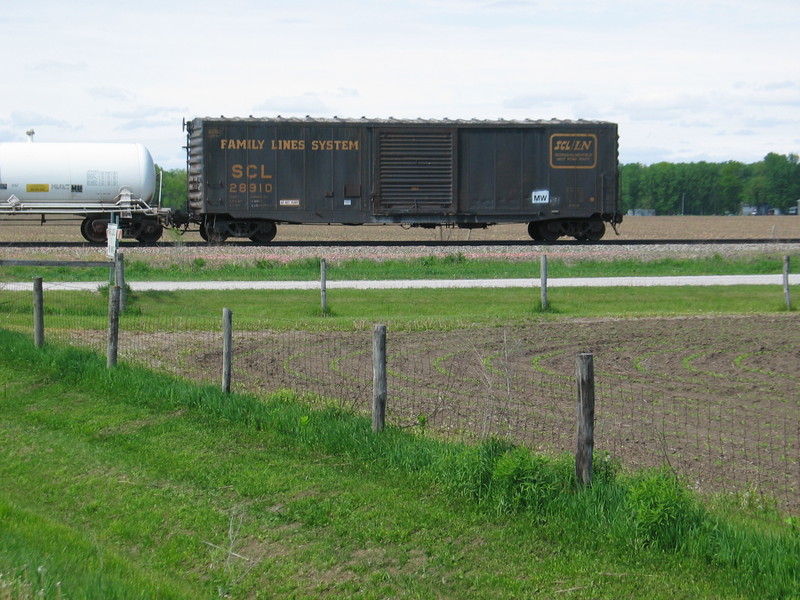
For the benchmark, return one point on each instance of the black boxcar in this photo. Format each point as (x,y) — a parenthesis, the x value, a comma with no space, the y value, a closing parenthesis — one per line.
(247,175)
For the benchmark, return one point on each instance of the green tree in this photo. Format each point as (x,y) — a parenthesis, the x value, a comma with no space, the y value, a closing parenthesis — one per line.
(782,174)
(756,190)
(660,188)
(731,187)
(630,178)
(174,189)
(711,188)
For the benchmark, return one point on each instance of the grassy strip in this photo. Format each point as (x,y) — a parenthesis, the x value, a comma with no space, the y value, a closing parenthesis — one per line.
(232,495)
(400,309)
(40,554)
(455,266)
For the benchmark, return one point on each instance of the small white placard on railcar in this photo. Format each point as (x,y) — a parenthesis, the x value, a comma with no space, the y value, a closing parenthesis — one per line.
(540,197)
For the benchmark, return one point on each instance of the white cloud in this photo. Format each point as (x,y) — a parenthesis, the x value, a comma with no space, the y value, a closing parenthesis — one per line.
(57,66)
(544,99)
(145,112)
(30,119)
(111,93)
(308,103)
(682,78)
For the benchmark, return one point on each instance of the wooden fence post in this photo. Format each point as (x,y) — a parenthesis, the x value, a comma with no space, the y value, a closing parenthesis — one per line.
(543,279)
(378,377)
(227,349)
(119,279)
(585,430)
(786,296)
(323,285)
(113,326)
(38,313)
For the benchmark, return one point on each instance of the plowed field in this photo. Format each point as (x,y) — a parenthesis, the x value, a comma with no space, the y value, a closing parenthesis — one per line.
(715,398)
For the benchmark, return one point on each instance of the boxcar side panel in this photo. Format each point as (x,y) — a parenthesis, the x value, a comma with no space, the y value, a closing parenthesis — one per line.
(417,172)
(499,169)
(294,173)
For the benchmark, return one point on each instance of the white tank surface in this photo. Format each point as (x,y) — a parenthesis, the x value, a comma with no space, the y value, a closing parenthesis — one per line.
(60,175)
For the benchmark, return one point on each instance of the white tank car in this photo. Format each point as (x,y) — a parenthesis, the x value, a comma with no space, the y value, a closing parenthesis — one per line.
(91,179)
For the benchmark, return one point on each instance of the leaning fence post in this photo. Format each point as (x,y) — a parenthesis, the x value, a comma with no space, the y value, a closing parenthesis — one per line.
(323,285)
(113,326)
(119,279)
(378,377)
(585,434)
(787,297)
(543,279)
(38,313)
(227,345)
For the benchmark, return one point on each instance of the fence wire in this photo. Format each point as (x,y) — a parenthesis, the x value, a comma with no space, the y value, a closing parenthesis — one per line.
(470,385)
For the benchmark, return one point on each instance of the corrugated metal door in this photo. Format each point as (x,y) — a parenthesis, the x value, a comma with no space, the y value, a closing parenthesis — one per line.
(415,171)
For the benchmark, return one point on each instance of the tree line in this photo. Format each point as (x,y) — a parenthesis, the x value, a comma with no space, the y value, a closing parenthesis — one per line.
(705,188)
(701,188)
(174,188)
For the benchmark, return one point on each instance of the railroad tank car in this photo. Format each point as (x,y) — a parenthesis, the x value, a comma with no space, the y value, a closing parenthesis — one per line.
(93,180)
(247,175)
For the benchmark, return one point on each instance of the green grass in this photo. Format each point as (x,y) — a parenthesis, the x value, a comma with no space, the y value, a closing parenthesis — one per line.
(400,309)
(126,484)
(455,266)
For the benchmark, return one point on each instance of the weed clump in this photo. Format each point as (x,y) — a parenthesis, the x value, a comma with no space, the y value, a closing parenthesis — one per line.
(664,513)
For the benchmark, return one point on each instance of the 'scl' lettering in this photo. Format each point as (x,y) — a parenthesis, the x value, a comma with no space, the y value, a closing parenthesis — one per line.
(249,172)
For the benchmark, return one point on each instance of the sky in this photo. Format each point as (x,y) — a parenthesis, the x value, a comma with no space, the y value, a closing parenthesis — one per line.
(686,80)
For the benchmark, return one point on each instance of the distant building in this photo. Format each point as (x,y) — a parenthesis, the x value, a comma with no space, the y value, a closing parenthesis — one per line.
(750,209)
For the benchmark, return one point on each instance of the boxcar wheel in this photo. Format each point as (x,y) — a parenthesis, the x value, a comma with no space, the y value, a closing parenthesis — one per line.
(213,236)
(548,233)
(597,229)
(533,231)
(265,233)
(150,232)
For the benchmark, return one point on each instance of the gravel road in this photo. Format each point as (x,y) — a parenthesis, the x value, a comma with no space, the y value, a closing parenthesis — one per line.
(721,280)
(388,251)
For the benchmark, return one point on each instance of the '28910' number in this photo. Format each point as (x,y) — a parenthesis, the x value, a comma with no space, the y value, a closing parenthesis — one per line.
(250,188)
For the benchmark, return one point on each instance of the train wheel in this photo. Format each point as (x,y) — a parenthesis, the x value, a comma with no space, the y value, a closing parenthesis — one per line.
(150,232)
(597,229)
(533,231)
(549,231)
(93,229)
(265,234)
(212,236)
(216,237)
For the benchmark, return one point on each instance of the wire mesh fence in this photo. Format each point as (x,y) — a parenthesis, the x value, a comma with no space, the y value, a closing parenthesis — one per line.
(472,384)
(717,444)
